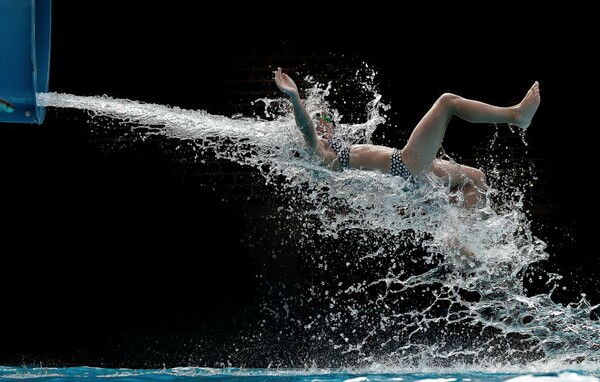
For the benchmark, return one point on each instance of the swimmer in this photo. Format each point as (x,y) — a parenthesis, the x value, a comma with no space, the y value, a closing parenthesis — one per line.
(418,157)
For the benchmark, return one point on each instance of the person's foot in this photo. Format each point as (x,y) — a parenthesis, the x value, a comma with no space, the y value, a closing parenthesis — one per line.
(528,106)
(468,257)
(466,260)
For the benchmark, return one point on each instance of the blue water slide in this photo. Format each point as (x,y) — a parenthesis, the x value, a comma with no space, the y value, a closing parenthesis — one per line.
(24,59)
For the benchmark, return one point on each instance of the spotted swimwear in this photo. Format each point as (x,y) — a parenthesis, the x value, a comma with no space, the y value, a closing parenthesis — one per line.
(398,168)
(342,151)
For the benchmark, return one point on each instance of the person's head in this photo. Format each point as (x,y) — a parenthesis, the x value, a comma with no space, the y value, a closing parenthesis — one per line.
(324,124)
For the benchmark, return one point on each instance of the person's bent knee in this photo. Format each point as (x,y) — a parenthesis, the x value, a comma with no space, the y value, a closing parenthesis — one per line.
(473,196)
(479,178)
(447,100)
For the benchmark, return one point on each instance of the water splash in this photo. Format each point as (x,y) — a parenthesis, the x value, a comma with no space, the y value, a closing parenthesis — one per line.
(386,285)
(290,375)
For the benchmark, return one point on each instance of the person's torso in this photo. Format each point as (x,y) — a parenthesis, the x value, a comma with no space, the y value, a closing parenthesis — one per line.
(339,155)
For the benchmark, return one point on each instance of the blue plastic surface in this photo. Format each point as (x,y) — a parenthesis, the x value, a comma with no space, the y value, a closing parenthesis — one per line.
(25,27)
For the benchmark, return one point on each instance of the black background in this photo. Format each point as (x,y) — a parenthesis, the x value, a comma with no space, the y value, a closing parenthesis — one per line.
(99,247)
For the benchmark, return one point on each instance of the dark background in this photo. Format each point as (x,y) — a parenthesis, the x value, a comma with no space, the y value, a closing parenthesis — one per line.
(111,255)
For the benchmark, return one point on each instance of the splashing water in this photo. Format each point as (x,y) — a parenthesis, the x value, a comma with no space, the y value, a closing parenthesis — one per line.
(387,287)
(248,375)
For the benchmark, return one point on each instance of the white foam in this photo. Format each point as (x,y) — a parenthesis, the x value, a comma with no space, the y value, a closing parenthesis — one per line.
(562,377)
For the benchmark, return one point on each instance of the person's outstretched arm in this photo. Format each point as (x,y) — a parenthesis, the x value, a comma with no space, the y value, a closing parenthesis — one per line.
(303,121)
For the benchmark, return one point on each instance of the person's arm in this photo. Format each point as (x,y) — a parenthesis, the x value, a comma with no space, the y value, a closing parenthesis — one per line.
(303,121)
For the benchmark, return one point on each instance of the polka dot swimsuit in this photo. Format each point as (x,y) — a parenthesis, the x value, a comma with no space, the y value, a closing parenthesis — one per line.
(397,167)
(343,152)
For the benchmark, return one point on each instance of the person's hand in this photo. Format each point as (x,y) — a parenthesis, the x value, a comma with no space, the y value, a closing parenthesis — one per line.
(285,83)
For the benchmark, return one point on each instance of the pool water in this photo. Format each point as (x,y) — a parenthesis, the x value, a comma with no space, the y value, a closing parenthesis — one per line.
(287,375)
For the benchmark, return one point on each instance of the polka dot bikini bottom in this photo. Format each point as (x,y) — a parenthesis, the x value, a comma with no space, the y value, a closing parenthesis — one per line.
(399,169)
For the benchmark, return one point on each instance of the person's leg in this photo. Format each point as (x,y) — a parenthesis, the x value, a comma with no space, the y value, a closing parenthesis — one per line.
(426,138)
(470,181)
